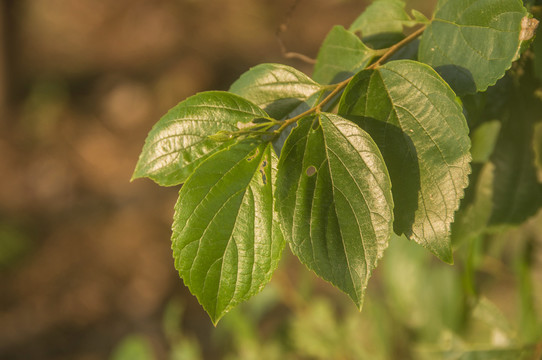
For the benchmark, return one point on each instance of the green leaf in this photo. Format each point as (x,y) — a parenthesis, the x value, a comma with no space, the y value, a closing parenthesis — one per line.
(180,141)
(484,138)
(516,192)
(472,218)
(471,43)
(334,201)
(420,17)
(507,189)
(281,90)
(381,24)
(414,117)
(278,89)
(226,243)
(341,55)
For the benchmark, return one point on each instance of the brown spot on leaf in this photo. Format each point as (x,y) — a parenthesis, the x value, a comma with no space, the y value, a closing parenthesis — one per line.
(311,170)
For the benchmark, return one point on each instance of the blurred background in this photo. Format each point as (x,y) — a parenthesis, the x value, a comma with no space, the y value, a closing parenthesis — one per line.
(86,270)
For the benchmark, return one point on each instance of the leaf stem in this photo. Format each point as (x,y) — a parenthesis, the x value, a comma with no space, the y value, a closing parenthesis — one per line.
(340,86)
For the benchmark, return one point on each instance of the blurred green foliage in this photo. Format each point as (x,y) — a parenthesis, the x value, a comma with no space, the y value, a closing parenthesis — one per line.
(14,244)
(483,307)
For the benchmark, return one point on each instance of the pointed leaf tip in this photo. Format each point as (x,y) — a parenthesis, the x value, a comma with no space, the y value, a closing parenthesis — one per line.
(334,201)
(225,241)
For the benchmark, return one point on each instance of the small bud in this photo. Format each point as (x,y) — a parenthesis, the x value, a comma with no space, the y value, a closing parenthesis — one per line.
(221,136)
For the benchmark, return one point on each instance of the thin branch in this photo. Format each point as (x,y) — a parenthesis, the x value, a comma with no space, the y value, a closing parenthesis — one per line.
(340,86)
(282,29)
(294,55)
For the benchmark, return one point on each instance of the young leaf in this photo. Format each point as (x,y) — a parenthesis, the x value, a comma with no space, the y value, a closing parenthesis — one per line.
(180,141)
(471,43)
(413,116)
(341,55)
(225,241)
(381,24)
(334,201)
(278,89)
(281,90)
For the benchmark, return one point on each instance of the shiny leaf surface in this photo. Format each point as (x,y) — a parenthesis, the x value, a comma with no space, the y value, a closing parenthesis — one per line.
(180,141)
(280,90)
(334,201)
(225,241)
(413,116)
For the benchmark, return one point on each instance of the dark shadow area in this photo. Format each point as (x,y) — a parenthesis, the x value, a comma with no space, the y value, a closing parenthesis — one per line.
(409,52)
(459,79)
(341,76)
(401,159)
(382,40)
(517,193)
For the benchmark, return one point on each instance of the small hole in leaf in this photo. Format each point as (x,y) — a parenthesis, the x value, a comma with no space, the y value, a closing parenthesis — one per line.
(264,178)
(262,171)
(311,170)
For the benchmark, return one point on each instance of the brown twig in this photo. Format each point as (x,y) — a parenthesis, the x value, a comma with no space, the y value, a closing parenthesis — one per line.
(282,29)
(340,86)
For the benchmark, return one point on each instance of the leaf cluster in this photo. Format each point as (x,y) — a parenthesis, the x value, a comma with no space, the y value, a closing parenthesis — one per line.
(376,142)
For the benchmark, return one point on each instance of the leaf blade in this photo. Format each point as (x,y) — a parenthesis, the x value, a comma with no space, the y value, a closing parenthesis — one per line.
(281,90)
(482,40)
(225,240)
(180,141)
(278,89)
(319,197)
(381,24)
(341,55)
(419,127)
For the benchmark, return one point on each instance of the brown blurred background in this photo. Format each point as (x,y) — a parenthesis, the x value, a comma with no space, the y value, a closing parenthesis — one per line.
(85,255)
